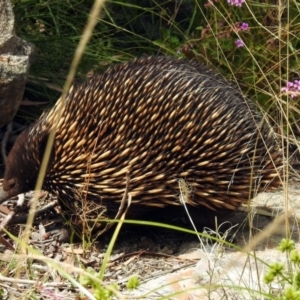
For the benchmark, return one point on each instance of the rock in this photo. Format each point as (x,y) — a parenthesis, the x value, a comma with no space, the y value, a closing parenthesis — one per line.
(15,58)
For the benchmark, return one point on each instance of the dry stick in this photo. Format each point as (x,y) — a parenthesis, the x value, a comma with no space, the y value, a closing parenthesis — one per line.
(113,239)
(6,220)
(4,210)
(11,214)
(33,282)
(121,208)
(9,219)
(4,242)
(22,219)
(149,253)
(87,33)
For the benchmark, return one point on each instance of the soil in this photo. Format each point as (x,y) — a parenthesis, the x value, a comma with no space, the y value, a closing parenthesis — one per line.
(168,263)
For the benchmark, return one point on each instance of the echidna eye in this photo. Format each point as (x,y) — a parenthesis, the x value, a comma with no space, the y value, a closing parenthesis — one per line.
(12,184)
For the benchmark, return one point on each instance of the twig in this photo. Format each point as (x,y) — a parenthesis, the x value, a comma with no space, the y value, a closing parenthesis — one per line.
(148,253)
(22,219)
(4,242)
(28,281)
(7,219)
(11,214)
(121,208)
(10,219)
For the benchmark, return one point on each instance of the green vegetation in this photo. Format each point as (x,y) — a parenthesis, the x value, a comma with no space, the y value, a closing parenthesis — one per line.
(255,44)
(287,277)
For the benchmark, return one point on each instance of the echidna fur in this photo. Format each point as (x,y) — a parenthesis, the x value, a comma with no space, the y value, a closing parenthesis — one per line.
(162,120)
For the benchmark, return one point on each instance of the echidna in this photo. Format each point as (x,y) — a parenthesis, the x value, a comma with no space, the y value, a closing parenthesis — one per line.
(162,120)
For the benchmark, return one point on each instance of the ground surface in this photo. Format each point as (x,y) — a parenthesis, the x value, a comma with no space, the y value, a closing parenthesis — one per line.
(169,264)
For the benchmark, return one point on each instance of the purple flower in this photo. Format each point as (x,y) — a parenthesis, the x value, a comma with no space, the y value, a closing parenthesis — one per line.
(239,43)
(292,88)
(244,26)
(297,84)
(236,2)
